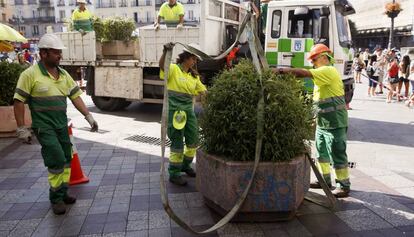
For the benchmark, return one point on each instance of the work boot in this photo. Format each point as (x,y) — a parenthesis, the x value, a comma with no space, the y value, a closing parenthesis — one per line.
(317,185)
(69,199)
(190,172)
(341,192)
(178,180)
(59,208)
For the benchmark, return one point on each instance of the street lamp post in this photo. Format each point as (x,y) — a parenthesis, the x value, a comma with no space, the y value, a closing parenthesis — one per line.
(392,11)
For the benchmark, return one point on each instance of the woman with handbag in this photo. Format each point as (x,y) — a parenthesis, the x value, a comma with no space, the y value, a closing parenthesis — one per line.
(403,74)
(392,78)
(358,65)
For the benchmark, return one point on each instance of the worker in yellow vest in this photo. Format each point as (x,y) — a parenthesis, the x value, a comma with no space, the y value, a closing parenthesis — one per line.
(332,117)
(172,12)
(82,17)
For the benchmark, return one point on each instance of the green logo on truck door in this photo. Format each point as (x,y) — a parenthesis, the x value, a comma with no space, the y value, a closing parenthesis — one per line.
(290,53)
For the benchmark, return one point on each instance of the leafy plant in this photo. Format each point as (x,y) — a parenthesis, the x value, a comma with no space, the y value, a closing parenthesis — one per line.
(99,28)
(228,124)
(118,28)
(9,76)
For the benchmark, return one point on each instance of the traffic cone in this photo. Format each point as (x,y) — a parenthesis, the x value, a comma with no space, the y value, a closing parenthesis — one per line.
(76,174)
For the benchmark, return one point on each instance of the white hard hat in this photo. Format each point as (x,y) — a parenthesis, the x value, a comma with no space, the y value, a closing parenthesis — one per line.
(50,41)
(81,1)
(195,49)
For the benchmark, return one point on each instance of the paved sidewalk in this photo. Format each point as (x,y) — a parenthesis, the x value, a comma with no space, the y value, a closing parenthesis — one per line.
(122,198)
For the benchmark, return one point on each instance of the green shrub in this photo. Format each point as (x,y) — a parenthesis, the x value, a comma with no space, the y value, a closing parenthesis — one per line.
(228,124)
(118,28)
(9,75)
(98,27)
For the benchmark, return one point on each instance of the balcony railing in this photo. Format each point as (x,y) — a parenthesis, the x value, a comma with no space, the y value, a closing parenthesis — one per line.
(43,19)
(123,4)
(32,2)
(18,2)
(139,3)
(106,5)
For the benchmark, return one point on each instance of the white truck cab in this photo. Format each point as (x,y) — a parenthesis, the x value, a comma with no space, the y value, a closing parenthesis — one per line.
(293,27)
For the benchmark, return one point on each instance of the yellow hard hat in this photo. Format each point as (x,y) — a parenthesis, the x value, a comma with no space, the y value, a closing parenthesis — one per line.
(179,119)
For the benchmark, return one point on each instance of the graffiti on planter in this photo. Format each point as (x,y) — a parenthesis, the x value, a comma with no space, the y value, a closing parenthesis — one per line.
(267,192)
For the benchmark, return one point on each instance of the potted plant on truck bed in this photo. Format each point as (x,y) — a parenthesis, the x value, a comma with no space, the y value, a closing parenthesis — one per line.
(228,131)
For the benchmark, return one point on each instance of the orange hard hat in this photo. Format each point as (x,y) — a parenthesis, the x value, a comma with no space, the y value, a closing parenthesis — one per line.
(318,49)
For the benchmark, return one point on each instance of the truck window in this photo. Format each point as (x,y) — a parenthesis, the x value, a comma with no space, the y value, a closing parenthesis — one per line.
(343,30)
(276,22)
(304,26)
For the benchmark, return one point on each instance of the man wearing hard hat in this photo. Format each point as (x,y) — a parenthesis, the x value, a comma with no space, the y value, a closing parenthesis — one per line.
(332,117)
(173,14)
(45,87)
(82,17)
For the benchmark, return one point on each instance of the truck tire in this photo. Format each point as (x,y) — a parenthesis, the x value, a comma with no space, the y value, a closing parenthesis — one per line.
(109,103)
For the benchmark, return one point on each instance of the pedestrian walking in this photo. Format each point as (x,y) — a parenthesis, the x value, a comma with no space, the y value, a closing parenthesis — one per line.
(357,65)
(393,79)
(183,84)
(365,57)
(373,73)
(403,74)
(382,62)
(45,87)
(332,117)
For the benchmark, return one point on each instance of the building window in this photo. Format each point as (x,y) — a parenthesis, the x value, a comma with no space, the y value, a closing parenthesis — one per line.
(62,15)
(190,15)
(35,30)
(136,17)
(3,17)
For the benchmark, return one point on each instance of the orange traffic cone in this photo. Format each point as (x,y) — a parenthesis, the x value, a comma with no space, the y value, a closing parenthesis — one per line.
(76,174)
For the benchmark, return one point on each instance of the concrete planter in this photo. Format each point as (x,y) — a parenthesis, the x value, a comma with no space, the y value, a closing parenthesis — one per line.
(8,123)
(121,50)
(276,193)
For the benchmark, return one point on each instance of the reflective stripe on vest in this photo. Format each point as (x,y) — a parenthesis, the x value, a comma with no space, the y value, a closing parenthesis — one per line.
(331,104)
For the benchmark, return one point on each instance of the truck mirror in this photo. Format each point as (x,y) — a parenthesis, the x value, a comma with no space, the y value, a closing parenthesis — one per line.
(301,11)
(324,28)
(325,11)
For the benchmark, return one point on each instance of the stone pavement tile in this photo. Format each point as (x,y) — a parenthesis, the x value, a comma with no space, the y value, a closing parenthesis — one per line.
(162,232)
(387,208)
(395,181)
(141,224)
(276,232)
(180,232)
(117,217)
(8,225)
(392,232)
(5,206)
(155,202)
(101,209)
(201,216)
(113,227)
(409,228)
(78,211)
(114,234)
(36,213)
(54,221)
(13,215)
(295,228)
(22,232)
(139,203)
(140,233)
(71,226)
(370,184)
(45,232)
(118,207)
(362,220)
(324,224)
(158,219)
(92,228)
(229,229)
(96,218)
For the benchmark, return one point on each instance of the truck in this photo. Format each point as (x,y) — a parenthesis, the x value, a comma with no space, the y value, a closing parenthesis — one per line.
(291,28)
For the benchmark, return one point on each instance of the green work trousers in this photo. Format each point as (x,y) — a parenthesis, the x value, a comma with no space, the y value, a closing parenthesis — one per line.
(331,149)
(57,155)
(182,156)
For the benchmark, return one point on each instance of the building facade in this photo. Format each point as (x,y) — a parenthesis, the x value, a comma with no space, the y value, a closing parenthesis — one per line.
(32,17)
(6,11)
(373,26)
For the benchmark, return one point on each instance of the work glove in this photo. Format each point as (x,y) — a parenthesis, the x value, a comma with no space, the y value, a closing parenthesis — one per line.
(24,134)
(169,46)
(180,26)
(156,26)
(92,122)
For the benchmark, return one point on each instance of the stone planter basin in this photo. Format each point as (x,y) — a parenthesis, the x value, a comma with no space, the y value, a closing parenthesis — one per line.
(277,191)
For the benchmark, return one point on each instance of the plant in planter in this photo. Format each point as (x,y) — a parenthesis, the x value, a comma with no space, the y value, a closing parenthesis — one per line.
(9,76)
(118,42)
(228,130)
